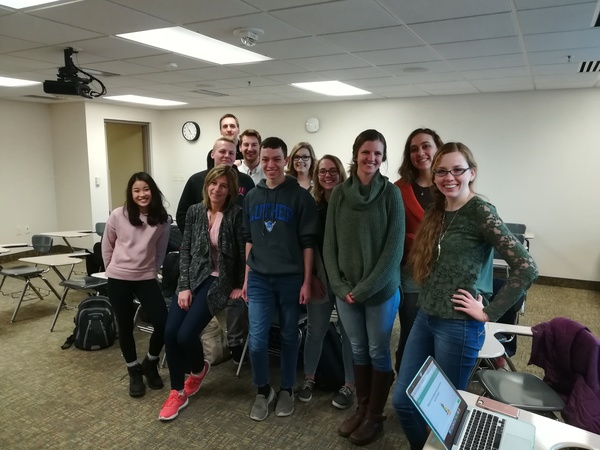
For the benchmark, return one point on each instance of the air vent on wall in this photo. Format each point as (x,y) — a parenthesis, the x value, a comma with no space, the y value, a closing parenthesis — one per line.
(589,66)
(211,93)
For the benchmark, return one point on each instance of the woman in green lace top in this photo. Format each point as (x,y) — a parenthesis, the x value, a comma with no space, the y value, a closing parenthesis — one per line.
(452,258)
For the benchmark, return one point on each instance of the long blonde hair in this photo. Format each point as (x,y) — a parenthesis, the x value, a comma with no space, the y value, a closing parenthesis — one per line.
(422,252)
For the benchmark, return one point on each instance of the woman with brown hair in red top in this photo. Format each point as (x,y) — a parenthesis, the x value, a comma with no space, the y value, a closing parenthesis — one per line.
(415,186)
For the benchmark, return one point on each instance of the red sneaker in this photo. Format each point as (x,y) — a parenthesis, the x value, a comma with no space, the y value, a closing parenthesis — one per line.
(193,382)
(173,405)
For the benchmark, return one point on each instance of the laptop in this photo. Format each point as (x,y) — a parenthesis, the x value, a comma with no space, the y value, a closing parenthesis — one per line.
(459,426)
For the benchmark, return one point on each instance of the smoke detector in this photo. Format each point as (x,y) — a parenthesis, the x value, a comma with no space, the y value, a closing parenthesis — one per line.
(248,36)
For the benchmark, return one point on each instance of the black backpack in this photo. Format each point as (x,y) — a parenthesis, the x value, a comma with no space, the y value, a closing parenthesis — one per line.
(95,327)
(330,371)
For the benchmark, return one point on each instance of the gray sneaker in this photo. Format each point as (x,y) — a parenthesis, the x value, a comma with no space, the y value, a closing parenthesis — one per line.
(305,392)
(285,404)
(343,399)
(260,408)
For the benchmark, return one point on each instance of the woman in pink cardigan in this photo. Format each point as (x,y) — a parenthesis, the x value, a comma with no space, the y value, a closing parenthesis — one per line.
(134,245)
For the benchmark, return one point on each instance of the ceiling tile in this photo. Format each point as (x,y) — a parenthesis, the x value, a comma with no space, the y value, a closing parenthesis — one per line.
(399,56)
(8,44)
(274,29)
(502,72)
(187,11)
(271,5)
(581,80)
(39,30)
(333,62)
(55,55)
(103,17)
(557,69)
(562,56)
(377,39)
(114,48)
(271,68)
(466,29)
(533,4)
(484,47)
(161,62)
(430,67)
(488,62)
(449,88)
(120,67)
(337,17)
(551,20)
(565,40)
(297,48)
(504,84)
(433,10)
(354,74)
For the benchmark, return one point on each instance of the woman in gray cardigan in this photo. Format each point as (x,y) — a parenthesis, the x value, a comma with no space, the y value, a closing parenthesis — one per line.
(212,265)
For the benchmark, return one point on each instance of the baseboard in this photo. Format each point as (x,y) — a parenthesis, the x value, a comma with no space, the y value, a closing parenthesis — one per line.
(569,283)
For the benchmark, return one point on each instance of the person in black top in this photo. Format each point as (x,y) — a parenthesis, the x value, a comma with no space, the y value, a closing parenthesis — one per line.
(229,126)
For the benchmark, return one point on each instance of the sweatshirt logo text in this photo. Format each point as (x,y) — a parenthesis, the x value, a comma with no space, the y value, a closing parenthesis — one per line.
(271,212)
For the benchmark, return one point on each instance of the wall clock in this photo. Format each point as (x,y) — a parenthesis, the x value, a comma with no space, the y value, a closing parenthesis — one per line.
(190,131)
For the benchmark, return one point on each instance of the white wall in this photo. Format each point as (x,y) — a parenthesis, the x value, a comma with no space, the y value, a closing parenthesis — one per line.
(26,171)
(537,154)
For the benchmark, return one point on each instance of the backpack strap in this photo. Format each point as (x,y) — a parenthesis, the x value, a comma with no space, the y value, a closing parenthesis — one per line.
(68,342)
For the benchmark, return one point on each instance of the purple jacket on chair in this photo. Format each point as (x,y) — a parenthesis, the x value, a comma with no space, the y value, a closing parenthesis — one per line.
(570,354)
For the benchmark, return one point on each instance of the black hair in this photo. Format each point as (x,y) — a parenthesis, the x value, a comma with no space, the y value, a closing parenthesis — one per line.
(275,142)
(156,210)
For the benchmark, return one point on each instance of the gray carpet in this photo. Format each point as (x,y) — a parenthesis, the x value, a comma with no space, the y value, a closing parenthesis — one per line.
(53,398)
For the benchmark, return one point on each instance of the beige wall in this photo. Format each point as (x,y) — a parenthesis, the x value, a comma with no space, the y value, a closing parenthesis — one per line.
(537,154)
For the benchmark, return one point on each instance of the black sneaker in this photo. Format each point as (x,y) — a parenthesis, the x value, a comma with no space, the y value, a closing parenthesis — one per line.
(150,371)
(343,399)
(236,353)
(305,392)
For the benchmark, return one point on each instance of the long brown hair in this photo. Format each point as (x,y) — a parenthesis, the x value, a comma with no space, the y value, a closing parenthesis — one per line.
(221,170)
(407,171)
(291,170)
(422,252)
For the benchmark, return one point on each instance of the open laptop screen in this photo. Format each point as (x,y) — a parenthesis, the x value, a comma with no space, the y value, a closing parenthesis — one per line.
(438,401)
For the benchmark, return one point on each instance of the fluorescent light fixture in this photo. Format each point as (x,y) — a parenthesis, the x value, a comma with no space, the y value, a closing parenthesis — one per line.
(195,45)
(144,100)
(20,4)
(334,88)
(15,82)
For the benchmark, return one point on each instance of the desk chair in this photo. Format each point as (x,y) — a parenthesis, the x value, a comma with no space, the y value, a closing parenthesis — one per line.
(91,285)
(274,344)
(525,390)
(42,245)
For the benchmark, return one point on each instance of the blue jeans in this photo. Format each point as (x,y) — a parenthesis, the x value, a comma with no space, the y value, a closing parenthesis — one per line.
(454,344)
(182,335)
(319,316)
(369,329)
(268,295)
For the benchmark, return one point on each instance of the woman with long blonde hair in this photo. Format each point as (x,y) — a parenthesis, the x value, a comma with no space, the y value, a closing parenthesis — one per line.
(302,163)
(452,257)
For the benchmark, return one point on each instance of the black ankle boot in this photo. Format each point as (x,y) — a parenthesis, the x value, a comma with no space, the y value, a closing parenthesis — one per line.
(150,371)
(137,388)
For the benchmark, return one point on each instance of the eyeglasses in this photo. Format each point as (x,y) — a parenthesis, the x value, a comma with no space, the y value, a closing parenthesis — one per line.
(333,172)
(303,158)
(454,172)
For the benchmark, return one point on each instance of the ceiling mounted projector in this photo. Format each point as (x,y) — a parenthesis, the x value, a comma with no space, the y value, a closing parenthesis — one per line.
(69,82)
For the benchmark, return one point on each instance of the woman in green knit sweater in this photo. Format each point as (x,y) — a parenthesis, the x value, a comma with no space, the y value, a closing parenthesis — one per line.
(452,258)
(364,240)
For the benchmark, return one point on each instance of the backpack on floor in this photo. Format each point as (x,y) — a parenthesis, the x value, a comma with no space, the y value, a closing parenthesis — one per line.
(95,327)
(330,371)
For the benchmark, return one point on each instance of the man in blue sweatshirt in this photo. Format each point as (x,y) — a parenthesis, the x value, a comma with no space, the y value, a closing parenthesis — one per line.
(281,229)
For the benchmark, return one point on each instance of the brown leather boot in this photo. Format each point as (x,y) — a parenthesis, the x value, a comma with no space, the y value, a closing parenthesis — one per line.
(372,424)
(362,383)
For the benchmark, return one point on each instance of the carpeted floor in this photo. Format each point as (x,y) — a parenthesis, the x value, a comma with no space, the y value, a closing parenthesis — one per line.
(66,399)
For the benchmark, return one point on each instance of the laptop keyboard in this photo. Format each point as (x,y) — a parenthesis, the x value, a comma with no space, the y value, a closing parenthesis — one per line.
(483,432)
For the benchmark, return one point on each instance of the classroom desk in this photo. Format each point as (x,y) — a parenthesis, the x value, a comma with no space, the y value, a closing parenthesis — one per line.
(4,250)
(7,248)
(54,261)
(68,234)
(549,434)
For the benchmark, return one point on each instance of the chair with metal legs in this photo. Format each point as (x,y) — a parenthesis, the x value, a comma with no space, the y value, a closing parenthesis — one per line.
(91,285)
(42,245)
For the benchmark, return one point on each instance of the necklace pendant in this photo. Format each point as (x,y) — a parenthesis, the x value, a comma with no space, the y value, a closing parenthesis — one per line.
(439,250)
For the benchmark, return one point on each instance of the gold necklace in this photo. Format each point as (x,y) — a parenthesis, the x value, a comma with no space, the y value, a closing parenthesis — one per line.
(443,232)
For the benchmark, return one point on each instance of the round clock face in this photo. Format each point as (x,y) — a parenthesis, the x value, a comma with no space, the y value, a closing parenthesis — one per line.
(190,131)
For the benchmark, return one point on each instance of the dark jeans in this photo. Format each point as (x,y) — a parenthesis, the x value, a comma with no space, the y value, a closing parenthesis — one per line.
(182,335)
(407,312)
(121,294)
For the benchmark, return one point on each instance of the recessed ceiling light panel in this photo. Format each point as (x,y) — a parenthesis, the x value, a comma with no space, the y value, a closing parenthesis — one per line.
(21,4)
(195,45)
(333,88)
(144,100)
(15,82)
